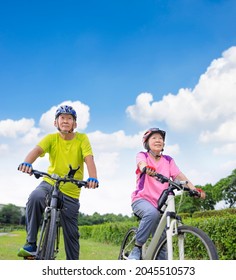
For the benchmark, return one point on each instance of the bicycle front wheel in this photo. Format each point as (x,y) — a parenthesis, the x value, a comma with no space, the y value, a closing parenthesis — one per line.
(42,245)
(52,232)
(189,243)
(127,244)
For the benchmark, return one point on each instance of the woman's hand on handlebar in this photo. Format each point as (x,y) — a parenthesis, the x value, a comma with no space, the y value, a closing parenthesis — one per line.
(25,167)
(149,170)
(201,192)
(198,193)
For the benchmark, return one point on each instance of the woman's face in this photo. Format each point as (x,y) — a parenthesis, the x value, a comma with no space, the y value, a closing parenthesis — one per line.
(156,142)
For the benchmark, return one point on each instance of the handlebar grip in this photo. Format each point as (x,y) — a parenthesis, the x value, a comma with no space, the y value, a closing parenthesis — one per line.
(194,193)
(162,178)
(80,184)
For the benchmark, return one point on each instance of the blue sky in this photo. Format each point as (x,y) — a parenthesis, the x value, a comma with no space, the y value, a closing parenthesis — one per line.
(126,66)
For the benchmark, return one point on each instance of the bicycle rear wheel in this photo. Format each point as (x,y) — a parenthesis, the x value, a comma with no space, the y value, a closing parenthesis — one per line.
(190,243)
(127,244)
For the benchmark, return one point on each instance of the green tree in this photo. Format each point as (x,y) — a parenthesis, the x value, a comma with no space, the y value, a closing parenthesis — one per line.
(209,202)
(187,204)
(225,190)
(10,214)
(219,187)
(229,190)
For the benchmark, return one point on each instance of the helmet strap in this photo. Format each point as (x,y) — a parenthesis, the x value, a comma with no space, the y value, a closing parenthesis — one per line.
(64,132)
(154,155)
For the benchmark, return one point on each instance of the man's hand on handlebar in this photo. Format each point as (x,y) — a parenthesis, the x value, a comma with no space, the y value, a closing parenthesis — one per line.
(25,167)
(92,183)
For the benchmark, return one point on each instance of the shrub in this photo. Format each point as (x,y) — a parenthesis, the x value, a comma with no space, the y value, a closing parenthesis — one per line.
(220,227)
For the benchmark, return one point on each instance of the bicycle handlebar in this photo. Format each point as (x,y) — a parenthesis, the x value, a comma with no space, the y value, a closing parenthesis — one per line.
(173,185)
(58,179)
(178,185)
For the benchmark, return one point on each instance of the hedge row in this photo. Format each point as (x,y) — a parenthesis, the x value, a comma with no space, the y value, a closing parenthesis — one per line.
(106,233)
(220,229)
(214,213)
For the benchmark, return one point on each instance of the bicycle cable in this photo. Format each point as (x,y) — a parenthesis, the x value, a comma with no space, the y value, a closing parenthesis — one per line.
(180,201)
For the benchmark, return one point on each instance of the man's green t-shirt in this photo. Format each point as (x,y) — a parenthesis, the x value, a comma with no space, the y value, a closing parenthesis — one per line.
(63,153)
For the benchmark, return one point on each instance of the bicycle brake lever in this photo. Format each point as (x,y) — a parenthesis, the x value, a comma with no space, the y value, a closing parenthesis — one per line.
(194,193)
(36,173)
(161,178)
(81,184)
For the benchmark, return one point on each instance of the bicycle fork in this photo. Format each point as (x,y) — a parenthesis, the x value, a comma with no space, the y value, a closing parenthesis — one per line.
(172,230)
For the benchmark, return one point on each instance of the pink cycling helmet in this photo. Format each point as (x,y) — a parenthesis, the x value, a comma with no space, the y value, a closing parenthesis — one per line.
(148,134)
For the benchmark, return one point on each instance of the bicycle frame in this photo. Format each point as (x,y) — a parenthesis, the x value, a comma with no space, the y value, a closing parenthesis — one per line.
(168,222)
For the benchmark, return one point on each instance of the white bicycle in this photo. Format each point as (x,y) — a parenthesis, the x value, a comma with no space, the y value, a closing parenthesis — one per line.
(172,239)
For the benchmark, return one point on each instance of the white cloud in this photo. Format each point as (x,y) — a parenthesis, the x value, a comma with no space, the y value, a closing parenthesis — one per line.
(47,120)
(225,132)
(228,149)
(178,111)
(3,149)
(12,129)
(115,141)
(172,149)
(32,136)
(107,163)
(209,104)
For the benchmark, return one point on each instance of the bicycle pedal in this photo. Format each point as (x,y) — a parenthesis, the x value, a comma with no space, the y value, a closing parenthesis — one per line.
(29,258)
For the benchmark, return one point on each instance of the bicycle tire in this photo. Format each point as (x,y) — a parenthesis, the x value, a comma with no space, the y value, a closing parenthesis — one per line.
(42,245)
(203,248)
(127,244)
(52,232)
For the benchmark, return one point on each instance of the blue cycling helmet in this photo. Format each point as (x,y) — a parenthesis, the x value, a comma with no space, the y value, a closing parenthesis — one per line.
(66,110)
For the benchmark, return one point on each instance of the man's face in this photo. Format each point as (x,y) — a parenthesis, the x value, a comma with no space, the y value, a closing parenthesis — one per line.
(65,123)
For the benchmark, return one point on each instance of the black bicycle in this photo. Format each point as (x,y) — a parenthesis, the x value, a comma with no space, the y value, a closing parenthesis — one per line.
(49,239)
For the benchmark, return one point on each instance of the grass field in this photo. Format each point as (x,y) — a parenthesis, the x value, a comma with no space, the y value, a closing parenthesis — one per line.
(89,250)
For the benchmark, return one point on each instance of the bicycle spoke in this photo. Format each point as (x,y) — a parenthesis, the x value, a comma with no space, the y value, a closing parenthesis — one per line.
(127,244)
(189,244)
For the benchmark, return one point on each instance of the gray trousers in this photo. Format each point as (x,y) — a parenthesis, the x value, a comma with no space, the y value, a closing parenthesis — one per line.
(69,218)
(150,218)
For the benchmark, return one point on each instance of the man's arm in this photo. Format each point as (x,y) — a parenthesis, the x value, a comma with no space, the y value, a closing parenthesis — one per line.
(30,158)
(92,171)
